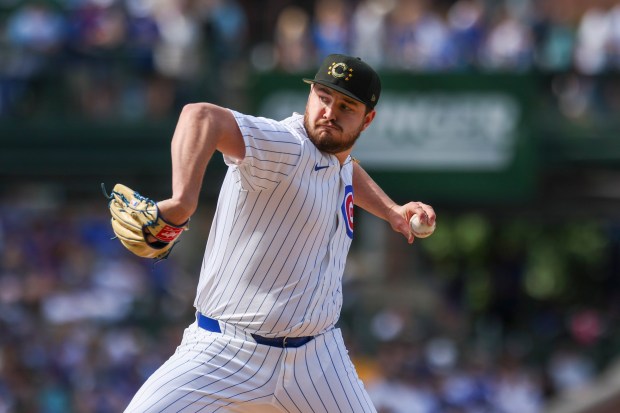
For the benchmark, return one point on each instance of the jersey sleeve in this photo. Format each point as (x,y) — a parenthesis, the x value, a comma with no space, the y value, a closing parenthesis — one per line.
(272,151)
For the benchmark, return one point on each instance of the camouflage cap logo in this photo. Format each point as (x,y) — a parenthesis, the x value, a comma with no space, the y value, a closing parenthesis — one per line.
(340,70)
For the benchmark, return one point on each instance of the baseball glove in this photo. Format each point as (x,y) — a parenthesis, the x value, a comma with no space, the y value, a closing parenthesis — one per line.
(136,218)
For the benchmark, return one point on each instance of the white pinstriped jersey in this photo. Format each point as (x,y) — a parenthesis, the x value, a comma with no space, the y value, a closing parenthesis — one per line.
(281,233)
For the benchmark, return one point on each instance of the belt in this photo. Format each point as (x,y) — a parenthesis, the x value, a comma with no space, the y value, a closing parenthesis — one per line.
(213,325)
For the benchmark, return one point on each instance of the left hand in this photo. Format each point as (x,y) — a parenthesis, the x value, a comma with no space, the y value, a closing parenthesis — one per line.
(139,226)
(399,215)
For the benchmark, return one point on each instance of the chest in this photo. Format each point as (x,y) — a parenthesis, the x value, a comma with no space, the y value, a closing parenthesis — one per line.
(325,195)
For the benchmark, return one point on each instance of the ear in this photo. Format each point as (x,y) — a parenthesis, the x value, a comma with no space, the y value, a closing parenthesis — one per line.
(368,118)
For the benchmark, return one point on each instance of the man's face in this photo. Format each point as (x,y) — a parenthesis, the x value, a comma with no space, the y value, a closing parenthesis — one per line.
(334,121)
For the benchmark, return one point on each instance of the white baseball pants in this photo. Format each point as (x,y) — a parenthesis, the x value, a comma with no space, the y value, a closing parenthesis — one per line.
(230,372)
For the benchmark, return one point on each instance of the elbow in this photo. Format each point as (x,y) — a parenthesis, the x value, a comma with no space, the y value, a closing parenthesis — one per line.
(198,111)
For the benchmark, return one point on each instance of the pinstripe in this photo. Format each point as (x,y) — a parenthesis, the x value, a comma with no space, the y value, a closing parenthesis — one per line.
(288,255)
(224,266)
(354,380)
(265,130)
(170,380)
(324,374)
(338,377)
(306,358)
(329,220)
(259,262)
(280,404)
(234,383)
(268,161)
(258,265)
(208,373)
(319,286)
(318,396)
(220,244)
(269,170)
(273,266)
(276,141)
(252,255)
(270,151)
(172,368)
(253,390)
(316,228)
(162,373)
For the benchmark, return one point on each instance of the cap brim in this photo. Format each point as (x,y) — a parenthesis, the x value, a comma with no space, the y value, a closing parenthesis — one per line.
(336,88)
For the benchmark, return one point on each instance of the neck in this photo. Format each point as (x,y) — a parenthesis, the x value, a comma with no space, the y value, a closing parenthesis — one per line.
(342,156)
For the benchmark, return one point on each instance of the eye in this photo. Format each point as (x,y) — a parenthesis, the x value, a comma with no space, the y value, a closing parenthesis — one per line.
(346,108)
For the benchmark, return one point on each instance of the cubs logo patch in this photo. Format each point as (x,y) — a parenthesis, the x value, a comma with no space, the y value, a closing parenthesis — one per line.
(347,210)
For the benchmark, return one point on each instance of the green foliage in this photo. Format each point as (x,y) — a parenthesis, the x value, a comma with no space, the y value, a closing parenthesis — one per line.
(560,260)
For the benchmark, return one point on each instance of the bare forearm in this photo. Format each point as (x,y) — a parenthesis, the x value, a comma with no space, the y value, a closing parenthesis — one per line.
(201,130)
(191,150)
(368,195)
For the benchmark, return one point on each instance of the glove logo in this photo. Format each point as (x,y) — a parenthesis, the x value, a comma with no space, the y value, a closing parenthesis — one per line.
(168,233)
(347,210)
(134,218)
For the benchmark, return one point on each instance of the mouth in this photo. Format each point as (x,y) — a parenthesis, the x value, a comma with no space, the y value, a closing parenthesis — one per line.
(329,126)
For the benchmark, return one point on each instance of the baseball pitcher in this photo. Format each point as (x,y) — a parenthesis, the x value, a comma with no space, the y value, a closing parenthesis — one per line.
(270,288)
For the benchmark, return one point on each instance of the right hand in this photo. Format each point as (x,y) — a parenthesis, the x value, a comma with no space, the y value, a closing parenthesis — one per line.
(399,216)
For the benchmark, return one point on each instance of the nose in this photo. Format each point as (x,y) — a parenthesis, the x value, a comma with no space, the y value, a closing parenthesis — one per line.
(328,112)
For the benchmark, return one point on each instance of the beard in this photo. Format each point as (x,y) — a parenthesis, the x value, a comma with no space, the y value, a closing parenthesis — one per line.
(324,139)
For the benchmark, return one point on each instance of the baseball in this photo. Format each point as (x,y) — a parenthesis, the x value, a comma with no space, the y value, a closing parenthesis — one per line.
(419,229)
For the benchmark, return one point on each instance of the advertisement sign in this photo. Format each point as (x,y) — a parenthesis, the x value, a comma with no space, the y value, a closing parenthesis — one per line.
(449,135)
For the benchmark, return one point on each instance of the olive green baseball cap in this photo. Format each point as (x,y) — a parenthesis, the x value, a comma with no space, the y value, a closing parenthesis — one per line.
(350,76)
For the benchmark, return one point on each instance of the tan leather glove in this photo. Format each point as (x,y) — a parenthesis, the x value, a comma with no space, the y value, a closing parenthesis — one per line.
(135,217)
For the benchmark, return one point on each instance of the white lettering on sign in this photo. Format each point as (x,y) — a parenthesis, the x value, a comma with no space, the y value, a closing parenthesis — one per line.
(430,130)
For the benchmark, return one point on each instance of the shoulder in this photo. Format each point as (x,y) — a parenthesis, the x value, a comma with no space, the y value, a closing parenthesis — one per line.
(295,122)
(267,124)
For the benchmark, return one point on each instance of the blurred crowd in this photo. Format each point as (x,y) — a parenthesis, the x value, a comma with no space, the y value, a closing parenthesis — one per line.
(421,35)
(103,58)
(137,58)
(84,323)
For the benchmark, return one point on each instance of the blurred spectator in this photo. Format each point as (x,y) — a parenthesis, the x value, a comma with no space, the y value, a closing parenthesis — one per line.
(142,36)
(554,36)
(509,45)
(293,47)
(179,54)
(224,29)
(570,369)
(516,390)
(593,35)
(34,35)
(368,31)
(614,38)
(226,24)
(418,38)
(466,23)
(397,391)
(35,27)
(330,28)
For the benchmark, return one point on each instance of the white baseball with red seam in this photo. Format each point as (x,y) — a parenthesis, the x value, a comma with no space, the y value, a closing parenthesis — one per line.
(420,229)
